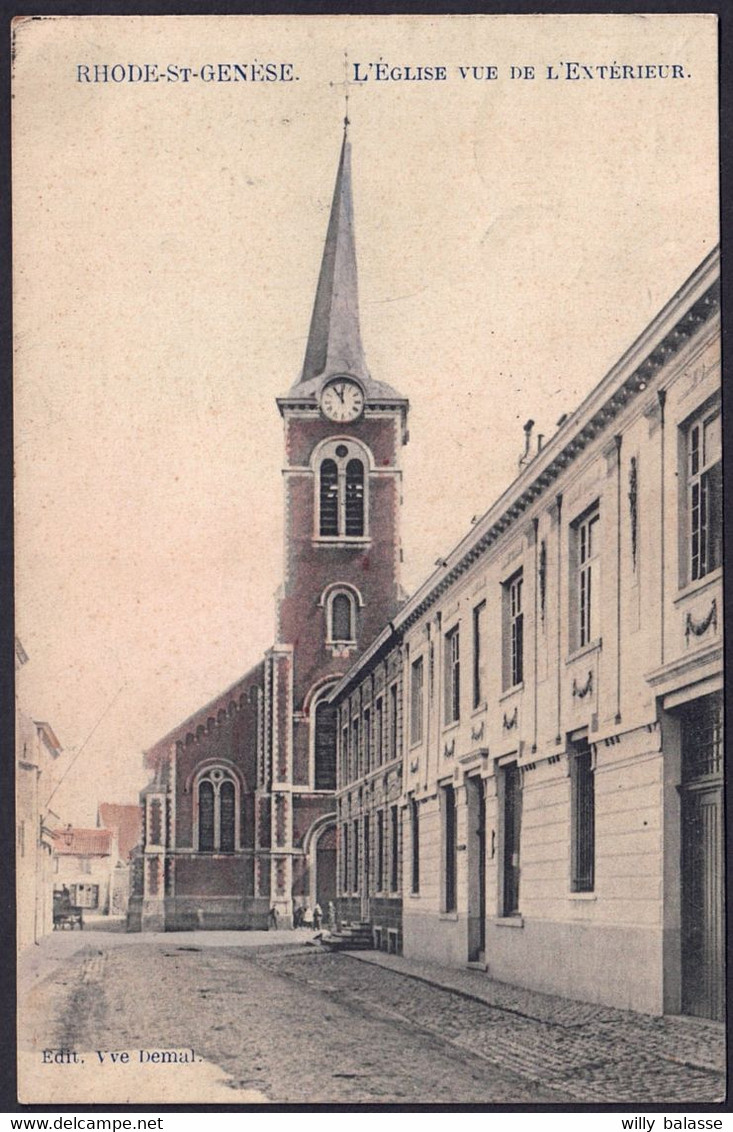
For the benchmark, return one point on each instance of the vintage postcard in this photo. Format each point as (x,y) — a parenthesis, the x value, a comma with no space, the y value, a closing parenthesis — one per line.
(369,560)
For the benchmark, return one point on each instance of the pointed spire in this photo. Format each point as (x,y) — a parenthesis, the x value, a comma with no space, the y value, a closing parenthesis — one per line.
(334,340)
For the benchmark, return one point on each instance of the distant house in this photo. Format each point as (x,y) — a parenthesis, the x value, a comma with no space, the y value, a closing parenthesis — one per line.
(84,860)
(36,752)
(126,822)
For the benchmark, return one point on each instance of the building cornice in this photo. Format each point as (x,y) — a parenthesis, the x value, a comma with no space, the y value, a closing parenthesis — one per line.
(663,340)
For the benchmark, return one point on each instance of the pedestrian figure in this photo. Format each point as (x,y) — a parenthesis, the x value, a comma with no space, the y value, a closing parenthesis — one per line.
(331,916)
(317,917)
(298,916)
(307,917)
(273,918)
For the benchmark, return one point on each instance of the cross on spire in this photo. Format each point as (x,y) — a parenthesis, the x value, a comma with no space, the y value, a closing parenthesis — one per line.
(346,84)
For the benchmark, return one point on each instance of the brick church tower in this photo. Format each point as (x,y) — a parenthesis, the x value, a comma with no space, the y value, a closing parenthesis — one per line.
(240,815)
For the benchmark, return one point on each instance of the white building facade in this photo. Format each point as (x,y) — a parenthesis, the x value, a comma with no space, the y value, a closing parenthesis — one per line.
(562,759)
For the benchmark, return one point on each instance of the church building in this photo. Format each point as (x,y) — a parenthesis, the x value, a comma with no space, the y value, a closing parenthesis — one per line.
(239,816)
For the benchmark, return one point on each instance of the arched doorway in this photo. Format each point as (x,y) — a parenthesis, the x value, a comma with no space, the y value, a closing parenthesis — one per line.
(324,873)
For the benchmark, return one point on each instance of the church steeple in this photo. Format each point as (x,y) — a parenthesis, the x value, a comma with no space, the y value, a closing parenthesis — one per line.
(334,340)
(334,347)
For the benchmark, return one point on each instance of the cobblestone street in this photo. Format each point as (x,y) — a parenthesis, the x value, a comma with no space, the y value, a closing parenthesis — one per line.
(293,1024)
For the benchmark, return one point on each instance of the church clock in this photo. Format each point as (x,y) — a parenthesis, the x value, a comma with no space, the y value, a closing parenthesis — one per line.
(342,400)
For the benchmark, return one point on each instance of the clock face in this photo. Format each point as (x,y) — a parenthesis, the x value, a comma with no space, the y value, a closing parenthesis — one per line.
(342,400)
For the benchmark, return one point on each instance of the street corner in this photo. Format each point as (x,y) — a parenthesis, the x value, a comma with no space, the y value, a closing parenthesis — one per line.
(134,1076)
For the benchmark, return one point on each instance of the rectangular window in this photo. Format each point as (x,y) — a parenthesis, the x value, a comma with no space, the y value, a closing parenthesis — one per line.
(416,701)
(379,732)
(586,560)
(479,648)
(512,835)
(367,740)
(355,753)
(394,849)
(355,855)
(393,722)
(367,855)
(449,849)
(380,851)
(704,495)
(513,631)
(583,820)
(415,838)
(85,895)
(345,777)
(345,843)
(452,676)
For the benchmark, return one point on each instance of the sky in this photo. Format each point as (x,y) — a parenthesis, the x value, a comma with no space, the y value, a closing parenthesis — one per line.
(514,236)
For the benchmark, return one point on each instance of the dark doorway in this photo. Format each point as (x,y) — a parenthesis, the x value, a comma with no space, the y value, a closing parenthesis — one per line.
(703,939)
(326,867)
(512,836)
(476,869)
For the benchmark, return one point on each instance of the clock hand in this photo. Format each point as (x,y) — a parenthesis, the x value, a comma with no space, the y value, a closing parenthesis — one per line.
(340,393)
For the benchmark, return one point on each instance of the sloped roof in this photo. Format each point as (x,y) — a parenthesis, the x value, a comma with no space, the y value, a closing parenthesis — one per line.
(72,842)
(127,821)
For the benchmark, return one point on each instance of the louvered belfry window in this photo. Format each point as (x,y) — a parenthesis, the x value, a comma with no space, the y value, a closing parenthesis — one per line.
(329,498)
(354,509)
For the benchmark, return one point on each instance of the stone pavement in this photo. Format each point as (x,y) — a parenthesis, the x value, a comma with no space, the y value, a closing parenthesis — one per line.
(595,1052)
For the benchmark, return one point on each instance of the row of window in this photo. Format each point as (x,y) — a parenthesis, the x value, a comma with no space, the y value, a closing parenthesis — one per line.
(704,530)
(371,866)
(582,826)
(371,740)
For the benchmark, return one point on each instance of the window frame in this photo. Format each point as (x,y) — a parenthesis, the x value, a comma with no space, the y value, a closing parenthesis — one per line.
(703,528)
(583,818)
(417,700)
(217,776)
(394,849)
(345,488)
(452,676)
(585,578)
(415,846)
(512,664)
(394,736)
(479,654)
(379,730)
(449,850)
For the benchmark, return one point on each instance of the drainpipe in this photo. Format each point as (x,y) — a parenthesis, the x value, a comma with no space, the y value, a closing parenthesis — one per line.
(662,396)
(618,440)
(558,737)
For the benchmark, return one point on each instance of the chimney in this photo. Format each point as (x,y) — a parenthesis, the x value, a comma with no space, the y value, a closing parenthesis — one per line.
(525,458)
(540,441)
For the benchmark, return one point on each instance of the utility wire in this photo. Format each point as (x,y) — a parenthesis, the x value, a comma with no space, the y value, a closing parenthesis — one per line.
(76,756)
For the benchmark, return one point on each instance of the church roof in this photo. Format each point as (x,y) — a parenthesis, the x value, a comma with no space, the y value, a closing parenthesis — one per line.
(334,339)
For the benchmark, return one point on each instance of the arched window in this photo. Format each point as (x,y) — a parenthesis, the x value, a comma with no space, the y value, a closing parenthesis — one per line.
(329,498)
(325,746)
(342,489)
(216,802)
(341,603)
(342,617)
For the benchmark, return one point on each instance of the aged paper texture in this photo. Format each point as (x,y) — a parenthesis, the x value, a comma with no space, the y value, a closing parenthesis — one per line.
(521,196)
